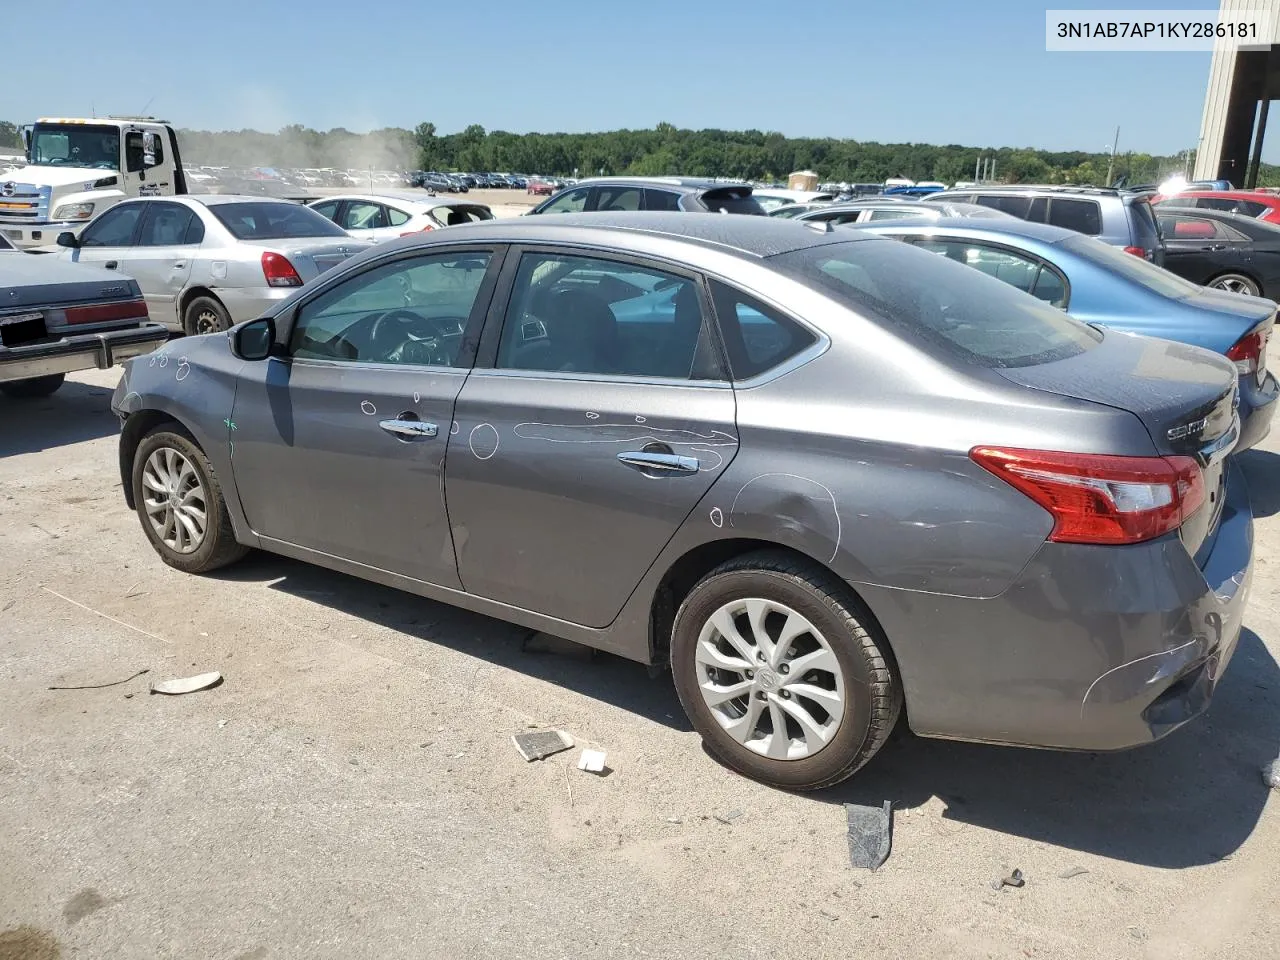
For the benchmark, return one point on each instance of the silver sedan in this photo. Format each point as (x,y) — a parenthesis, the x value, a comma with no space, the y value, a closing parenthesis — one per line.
(205,263)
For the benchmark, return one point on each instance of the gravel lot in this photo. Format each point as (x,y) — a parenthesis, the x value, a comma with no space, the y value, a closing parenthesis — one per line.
(351,789)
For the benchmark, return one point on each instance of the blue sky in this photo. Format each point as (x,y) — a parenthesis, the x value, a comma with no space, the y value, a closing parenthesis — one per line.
(936,71)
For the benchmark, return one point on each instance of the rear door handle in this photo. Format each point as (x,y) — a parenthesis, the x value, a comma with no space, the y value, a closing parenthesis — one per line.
(111,264)
(409,429)
(665,462)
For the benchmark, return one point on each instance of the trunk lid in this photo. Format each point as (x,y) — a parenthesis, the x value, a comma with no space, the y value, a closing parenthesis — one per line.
(312,257)
(1184,396)
(32,281)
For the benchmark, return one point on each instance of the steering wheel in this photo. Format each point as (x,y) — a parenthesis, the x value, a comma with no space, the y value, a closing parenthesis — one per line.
(395,336)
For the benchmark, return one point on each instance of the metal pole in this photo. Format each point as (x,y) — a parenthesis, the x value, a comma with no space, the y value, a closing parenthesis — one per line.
(1255,164)
(1111,161)
(976,162)
(993,169)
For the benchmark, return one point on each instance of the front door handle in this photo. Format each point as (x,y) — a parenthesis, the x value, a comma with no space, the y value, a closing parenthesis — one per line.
(111,264)
(664,462)
(409,429)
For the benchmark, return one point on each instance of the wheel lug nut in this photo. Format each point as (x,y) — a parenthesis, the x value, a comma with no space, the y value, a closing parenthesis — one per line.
(783,668)
(761,695)
(785,694)
(760,656)
(751,674)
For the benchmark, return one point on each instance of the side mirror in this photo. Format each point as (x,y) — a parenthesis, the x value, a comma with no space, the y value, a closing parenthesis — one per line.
(254,340)
(68,239)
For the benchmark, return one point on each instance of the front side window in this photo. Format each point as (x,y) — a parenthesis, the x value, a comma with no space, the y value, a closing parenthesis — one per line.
(412,311)
(133,151)
(574,201)
(273,220)
(610,199)
(756,336)
(166,225)
(943,305)
(578,314)
(115,228)
(362,215)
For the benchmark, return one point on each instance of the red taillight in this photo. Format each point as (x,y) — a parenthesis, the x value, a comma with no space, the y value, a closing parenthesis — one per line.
(106,312)
(279,271)
(1248,352)
(1136,251)
(411,233)
(1099,498)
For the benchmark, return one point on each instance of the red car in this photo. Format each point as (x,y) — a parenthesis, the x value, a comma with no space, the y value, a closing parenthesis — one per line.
(1262,206)
(540,188)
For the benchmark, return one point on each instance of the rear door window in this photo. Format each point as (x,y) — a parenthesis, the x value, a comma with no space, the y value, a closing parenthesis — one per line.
(610,199)
(397,218)
(165,225)
(661,200)
(1011,203)
(363,215)
(1082,216)
(944,306)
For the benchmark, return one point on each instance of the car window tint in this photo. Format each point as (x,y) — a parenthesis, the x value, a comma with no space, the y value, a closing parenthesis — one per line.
(1082,216)
(195,230)
(1038,212)
(617,198)
(732,200)
(458,214)
(133,151)
(905,214)
(273,220)
(1180,203)
(756,337)
(411,311)
(165,225)
(661,200)
(1051,287)
(587,315)
(572,201)
(943,305)
(327,209)
(362,215)
(1018,206)
(396,218)
(114,228)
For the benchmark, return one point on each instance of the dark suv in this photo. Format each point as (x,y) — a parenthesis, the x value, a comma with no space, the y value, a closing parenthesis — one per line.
(652,193)
(1122,218)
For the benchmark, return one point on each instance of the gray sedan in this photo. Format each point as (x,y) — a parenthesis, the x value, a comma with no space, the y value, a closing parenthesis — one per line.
(873,211)
(825,477)
(207,262)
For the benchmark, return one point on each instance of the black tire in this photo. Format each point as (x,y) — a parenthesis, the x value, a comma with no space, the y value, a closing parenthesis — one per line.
(1236,283)
(862,655)
(32,388)
(205,315)
(219,546)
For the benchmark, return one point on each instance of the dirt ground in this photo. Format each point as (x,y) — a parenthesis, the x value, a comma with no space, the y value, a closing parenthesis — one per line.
(351,789)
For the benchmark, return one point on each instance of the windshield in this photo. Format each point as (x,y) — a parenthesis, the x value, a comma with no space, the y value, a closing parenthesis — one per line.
(1156,279)
(76,145)
(273,221)
(940,302)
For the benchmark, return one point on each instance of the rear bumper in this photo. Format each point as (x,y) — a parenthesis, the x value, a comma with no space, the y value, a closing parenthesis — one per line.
(1257,407)
(1092,648)
(84,352)
(249,303)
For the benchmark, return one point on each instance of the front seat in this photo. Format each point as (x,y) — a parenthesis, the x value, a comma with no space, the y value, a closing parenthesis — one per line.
(583,333)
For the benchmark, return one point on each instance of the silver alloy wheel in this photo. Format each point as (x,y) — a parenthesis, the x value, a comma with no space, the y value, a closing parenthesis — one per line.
(206,321)
(175,500)
(770,678)
(1234,283)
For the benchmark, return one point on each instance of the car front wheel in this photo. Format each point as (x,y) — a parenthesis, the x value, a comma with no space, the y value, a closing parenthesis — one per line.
(781,674)
(180,504)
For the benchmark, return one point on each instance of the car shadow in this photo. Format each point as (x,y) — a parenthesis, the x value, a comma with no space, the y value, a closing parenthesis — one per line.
(1262,474)
(592,673)
(1191,799)
(77,412)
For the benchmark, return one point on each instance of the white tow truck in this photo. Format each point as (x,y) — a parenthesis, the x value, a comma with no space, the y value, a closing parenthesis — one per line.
(77,167)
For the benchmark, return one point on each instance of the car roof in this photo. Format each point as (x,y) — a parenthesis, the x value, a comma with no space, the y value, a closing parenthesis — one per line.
(1047,188)
(418,198)
(1270,199)
(218,199)
(1013,227)
(686,183)
(740,234)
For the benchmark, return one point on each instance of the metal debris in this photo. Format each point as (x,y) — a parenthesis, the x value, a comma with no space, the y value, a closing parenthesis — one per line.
(1015,879)
(729,817)
(591,761)
(870,834)
(542,744)
(99,686)
(202,681)
(1072,872)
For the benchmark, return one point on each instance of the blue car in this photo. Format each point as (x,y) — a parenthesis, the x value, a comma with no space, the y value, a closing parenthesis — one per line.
(1101,284)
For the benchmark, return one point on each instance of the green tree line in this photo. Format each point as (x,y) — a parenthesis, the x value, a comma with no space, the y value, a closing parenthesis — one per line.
(665,149)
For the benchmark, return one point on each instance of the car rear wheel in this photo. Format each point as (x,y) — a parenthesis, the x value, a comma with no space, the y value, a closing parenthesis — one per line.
(1235,283)
(205,315)
(33,388)
(180,504)
(781,673)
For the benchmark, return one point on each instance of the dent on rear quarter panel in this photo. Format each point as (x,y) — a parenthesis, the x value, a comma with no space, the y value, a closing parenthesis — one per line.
(193,380)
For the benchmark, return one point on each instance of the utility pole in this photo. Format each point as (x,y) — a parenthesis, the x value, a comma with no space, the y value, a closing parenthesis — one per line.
(976,163)
(1111,161)
(993,170)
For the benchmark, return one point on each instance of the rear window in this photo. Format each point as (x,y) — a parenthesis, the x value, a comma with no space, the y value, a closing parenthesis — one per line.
(732,201)
(942,304)
(1082,216)
(1154,278)
(273,221)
